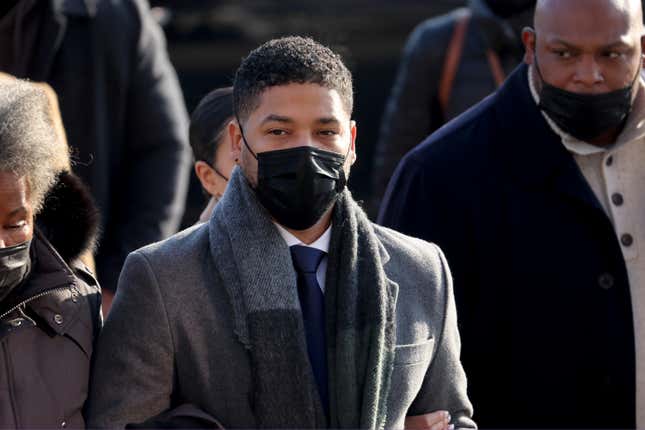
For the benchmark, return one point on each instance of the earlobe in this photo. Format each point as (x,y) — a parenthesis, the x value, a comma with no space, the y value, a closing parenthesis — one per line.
(354,133)
(204,173)
(235,138)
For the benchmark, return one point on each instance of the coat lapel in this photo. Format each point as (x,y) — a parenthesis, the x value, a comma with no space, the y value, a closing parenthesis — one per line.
(533,152)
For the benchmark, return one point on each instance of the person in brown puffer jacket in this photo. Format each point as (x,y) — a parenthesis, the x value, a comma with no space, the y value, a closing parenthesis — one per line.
(49,300)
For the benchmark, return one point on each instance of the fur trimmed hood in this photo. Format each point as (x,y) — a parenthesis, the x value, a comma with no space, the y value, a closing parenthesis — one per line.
(69,218)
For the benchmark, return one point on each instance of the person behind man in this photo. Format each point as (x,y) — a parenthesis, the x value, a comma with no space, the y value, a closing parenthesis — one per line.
(449,63)
(122,108)
(49,302)
(536,195)
(211,144)
(289,309)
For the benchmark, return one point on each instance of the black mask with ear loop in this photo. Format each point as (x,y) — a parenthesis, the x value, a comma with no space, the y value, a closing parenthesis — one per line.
(585,116)
(298,185)
(216,170)
(15,263)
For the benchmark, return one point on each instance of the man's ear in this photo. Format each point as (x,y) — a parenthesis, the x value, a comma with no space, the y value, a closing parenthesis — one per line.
(235,136)
(353,131)
(528,40)
(206,176)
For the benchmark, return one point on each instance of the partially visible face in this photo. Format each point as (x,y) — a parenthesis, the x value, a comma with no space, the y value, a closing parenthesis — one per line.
(585,46)
(294,115)
(223,162)
(215,184)
(16,210)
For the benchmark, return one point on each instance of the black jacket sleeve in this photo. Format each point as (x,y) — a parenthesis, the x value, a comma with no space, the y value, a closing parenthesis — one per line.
(157,157)
(413,110)
(426,199)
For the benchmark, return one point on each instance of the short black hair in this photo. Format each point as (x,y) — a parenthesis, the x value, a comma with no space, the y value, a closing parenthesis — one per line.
(287,60)
(208,123)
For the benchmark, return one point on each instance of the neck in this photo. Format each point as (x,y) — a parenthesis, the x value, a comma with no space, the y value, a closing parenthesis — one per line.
(314,232)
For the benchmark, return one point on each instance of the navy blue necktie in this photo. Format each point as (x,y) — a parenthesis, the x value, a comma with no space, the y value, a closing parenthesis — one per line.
(312,301)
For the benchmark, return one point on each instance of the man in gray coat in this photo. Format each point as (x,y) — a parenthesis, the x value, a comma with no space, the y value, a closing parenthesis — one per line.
(288,309)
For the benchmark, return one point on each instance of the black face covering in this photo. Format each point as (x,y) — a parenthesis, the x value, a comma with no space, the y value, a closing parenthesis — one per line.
(14,267)
(508,8)
(586,116)
(298,185)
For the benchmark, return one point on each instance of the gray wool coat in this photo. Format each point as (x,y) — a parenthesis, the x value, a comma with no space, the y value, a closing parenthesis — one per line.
(171,337)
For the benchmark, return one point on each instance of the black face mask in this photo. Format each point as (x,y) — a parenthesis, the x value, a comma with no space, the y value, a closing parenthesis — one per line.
(508,8)
(14,267)
(298,185)
(586,116)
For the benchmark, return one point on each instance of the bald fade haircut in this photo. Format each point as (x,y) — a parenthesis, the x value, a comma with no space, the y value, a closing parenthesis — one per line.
(29,144)
(285,61)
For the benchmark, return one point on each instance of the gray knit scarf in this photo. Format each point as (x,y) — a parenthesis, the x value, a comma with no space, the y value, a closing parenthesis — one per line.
(255,264)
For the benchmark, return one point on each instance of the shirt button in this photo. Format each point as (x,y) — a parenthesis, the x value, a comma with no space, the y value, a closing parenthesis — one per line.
(610,161)
(58,319)
(617,199)
(606,281)
(626,239)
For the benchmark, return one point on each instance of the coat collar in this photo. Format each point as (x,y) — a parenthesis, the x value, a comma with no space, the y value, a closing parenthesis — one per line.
(69,218)
(530,149)
(51,290)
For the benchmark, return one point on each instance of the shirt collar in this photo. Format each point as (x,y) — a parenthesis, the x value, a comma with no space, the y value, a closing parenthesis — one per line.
(634,128)
(322,243)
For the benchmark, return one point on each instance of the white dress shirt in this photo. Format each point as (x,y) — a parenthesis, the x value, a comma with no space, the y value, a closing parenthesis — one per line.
(322,243)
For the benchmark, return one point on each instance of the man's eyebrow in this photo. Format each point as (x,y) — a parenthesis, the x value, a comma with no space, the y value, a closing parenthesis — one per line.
(276,118)
(328,120)
(18,211)
(557,41)
(616,44)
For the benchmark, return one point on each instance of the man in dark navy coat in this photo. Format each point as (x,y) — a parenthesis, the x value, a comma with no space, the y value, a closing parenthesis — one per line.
(537,196)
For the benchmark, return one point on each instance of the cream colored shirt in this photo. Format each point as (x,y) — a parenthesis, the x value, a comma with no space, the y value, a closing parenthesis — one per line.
(616,174)
(322,243)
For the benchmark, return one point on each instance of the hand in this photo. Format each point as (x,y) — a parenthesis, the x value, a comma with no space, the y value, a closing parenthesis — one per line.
(439,420)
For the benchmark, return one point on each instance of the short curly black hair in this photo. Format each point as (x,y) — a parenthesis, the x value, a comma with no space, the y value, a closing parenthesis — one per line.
(287,60)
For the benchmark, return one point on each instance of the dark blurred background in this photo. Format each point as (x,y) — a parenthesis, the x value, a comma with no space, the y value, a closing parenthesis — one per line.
(208,38)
